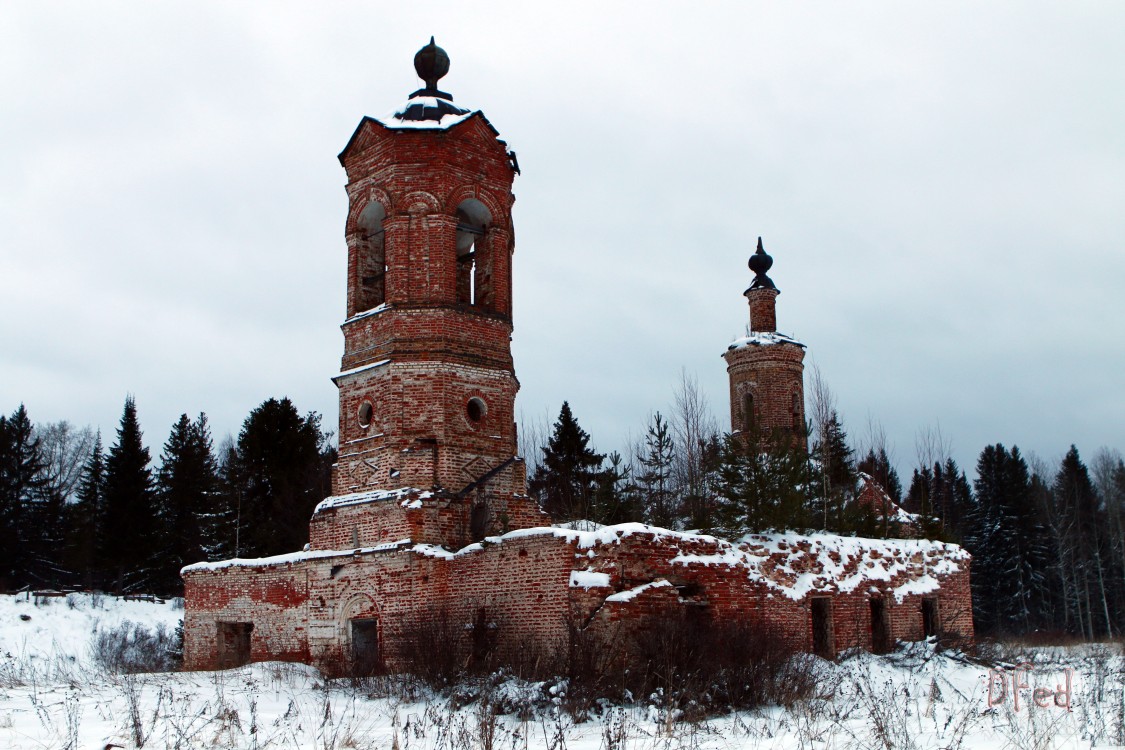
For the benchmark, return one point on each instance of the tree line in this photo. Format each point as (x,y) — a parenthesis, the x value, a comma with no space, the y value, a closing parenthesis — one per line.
(76,514)
(1048,542)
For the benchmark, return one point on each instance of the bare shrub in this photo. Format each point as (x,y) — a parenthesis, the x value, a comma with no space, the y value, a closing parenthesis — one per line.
(130,648)
(699,667)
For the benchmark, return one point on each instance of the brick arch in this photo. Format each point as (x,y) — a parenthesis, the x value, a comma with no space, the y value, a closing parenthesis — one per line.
(420,202)
(364,199)
(742,390)
(357,604)
(500,214)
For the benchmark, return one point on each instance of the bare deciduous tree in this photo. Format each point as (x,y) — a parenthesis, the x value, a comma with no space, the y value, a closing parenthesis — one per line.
(65,450)
(532,438)
(693,426)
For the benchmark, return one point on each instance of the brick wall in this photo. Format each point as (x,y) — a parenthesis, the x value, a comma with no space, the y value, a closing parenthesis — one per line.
(301,610)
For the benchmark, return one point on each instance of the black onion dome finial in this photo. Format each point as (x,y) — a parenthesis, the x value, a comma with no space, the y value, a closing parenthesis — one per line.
(760,263)
(431,63)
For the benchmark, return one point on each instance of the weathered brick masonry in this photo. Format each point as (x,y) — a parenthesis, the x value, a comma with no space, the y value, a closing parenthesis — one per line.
(429,514)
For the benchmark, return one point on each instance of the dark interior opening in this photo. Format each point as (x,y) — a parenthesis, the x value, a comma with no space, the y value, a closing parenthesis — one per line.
(880,627)
(823,642)
(234,644)
(478,522)
(929,617)
(365,647)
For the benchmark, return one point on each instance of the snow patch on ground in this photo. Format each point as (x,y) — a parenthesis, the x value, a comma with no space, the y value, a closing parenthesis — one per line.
(917,697)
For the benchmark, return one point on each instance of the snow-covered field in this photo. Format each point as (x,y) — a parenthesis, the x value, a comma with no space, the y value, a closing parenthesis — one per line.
(54,693)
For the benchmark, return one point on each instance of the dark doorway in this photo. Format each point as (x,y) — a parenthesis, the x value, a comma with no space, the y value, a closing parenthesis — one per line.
(880,627)
(234,644)
(930,622)
(823,640)
(365,647)
(478,522)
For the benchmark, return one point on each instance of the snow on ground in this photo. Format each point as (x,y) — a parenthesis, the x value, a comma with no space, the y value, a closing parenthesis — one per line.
(53,695)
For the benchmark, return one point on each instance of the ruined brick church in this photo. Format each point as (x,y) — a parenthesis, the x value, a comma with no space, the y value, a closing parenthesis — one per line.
(429,510)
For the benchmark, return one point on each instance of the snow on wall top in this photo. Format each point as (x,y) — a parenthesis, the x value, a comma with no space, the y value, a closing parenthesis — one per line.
(291,557)
(789,563)
(409,497)
(798,564)
(763,338)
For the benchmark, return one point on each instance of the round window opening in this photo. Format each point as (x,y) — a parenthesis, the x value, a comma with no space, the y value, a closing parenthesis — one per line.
(475,410)
(365,414)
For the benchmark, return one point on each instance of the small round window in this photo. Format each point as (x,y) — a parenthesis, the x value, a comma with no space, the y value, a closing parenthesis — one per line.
(475,410)
(365,414)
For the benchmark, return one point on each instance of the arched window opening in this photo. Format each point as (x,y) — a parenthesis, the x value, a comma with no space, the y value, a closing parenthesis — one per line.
(473,264)
(748,412)
(798,422)
(372,258)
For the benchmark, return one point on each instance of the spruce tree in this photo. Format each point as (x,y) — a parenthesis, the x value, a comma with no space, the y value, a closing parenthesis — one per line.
(1011,555)
(281,473)
(762,484)
(616,497)
(566,479)
(86,520)
(878,467)
(837,478)
(130,532)
(1085,544)
(21,497)
(658,496)
(187,484)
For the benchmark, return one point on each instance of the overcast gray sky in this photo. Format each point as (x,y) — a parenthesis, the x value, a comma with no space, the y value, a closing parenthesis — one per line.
(942,186)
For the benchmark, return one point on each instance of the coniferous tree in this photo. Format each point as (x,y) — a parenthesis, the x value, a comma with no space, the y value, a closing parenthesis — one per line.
(1009,543)
(21,496)
(837,478)
(130,530)
(1077,501)
(878,467)
(763,484)
(187,485)
(654,480)
(615,498)
(941,496)
(226,526)
(281,472)
(87,518)
(566,479)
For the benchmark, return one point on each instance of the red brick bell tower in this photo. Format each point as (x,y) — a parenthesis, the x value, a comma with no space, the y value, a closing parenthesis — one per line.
(427,384)
(766,368)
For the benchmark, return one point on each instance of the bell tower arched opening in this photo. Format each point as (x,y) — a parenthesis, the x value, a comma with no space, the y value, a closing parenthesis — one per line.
(473,258)
(371,258)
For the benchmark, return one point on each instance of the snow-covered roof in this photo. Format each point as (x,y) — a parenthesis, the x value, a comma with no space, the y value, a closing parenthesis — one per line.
(425,113)
(408,496)
(763,338)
